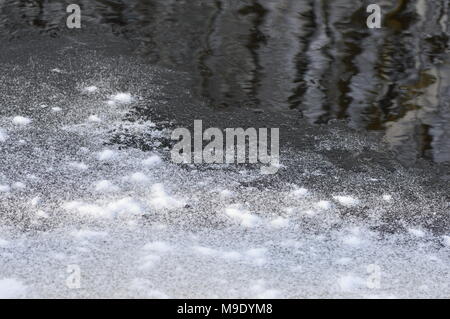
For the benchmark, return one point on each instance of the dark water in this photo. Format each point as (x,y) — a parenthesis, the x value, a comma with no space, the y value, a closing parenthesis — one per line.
(314,56)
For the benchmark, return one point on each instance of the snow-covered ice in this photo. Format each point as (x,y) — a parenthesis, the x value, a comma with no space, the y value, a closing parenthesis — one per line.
(19,185)
(446,240)
(158,246)
(299,192)
(123,207)
(106,197)
(11,288)
(78,166)
(323,204)
(106,155)
(280,222)
(4,188)
(416,232)
(139,178)
(160,199)
(153,160)
(90,89)
(226,193)
(3,243)
(94,118)
(105,186)
(242,216)
(122,97)
(346,200)
(351,283)
(3,135)
(21,120)
(88,234)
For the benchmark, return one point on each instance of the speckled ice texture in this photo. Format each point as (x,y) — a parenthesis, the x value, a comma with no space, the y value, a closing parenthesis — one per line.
(78,190)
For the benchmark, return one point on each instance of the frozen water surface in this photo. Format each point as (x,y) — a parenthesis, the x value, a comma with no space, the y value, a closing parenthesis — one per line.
(103,196)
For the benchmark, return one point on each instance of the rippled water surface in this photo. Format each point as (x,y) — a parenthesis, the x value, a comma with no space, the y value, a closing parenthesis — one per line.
(314,56)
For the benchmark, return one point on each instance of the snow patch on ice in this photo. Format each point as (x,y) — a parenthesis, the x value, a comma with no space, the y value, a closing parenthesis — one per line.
(279,222)
(299,192)
(151,161)
(94,118)
(158,246)
(88,234)
(323,204)
(3,136)
(244,217)
(260,291)
(446,240)
(42,214)
(343,261)
(122,207)
(122,97)
(21,121)
(256,252)
(12,288)
(138,178)
(350,283)
(5,188)
(416,232)
(231,255)
(19,185)
(4,243)
(149,261)
(205,250)
(308,212)
(105,186)
(352,240)
(106,155)
(347,201)
(257,255)
(225,193)
(142,286)
(78,165)
(90,89)
(160,199)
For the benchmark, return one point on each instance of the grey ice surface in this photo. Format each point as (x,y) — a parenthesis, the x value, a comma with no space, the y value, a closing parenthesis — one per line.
(87,188)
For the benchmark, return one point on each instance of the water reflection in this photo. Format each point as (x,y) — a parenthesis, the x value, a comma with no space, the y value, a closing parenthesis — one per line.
(317,56)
